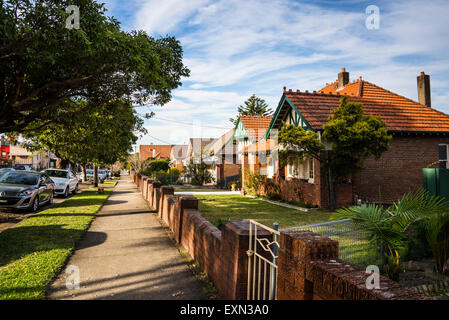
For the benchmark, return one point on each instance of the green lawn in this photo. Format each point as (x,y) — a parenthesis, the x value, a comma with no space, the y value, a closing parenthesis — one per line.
(108,184)
(33,252)
(220,208)
(353,246)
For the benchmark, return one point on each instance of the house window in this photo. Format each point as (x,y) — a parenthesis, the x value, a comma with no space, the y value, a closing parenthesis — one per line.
(311,168)
(442,156)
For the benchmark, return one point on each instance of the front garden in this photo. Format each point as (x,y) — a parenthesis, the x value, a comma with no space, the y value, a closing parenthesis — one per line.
(221,208)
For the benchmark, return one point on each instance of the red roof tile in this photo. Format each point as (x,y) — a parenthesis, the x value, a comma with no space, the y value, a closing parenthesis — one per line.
(256,126)
(399,113)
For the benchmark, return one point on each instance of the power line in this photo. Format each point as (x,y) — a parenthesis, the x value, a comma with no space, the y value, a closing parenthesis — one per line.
(160,139)
(188,124)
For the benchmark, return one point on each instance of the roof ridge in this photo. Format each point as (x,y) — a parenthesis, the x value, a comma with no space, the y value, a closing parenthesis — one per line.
(394,93)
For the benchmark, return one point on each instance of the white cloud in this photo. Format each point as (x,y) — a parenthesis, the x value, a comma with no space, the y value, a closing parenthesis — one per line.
(160,17)
(236,48)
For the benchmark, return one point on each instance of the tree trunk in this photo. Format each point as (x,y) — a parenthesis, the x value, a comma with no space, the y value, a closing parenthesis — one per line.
(83,169)
(95,176)
(331,190)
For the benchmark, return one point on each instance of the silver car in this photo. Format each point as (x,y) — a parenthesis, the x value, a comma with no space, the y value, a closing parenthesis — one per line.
(66,181)
(25,190)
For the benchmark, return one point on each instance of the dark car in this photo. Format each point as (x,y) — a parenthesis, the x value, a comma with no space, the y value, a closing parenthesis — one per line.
(5,170)
(22,167)
(25,190)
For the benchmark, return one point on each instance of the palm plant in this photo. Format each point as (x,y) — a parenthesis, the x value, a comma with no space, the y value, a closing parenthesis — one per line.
(387,227)
(437,235)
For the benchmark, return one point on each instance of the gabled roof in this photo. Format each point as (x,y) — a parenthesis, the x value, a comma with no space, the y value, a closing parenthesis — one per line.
(254,126)
(196,144)
(367,90)
(224,144)
(398,112)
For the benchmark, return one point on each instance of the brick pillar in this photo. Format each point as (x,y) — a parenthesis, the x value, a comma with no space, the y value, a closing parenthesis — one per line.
(183,202)
(155,196)
(165,191)
(235,244)
(148,190)
(296,250)
(144,186)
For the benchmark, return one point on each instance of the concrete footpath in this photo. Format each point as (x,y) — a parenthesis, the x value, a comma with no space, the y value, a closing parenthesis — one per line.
(126,254)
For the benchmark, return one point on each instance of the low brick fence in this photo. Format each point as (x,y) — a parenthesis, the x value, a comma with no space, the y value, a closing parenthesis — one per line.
(308,264)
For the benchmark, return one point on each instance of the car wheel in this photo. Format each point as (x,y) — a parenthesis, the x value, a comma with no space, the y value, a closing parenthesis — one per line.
(35,204)
(75,191)
(66,192)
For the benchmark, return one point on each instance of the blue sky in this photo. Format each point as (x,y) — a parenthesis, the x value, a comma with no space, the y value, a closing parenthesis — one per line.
(237,48)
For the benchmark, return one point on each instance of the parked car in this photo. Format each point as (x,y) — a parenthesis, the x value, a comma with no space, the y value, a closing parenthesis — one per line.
(65,181)
(25,190)
(90,175)
(22,167)
(5,170)
(102,175)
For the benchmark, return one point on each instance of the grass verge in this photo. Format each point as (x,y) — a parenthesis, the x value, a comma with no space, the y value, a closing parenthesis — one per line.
(33,252)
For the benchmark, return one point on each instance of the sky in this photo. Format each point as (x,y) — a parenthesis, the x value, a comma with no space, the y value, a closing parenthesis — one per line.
(236,48)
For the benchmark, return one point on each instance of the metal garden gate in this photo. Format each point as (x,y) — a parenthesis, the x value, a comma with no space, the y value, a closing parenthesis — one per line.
(262,261)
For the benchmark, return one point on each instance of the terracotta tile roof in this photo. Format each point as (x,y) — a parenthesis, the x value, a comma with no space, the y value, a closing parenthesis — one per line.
(399,113)
(162,152)
(256,126)
(262,145)
(368,90)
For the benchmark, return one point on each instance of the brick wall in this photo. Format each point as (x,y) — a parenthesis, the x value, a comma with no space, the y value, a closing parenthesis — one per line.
(309,269)
(399,170)
(221,254)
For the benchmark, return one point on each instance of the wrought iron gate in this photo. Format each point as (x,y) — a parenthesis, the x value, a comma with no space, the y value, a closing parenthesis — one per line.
(262,261)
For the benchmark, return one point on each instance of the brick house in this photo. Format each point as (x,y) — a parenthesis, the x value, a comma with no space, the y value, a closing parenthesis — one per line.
(177,154)
(248,131)
(223,151)
(155,152)
(418,131)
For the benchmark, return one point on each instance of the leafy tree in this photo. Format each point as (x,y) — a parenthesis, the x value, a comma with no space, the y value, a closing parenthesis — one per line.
(101,137)
(43,63)
(254,106)
(352,136)
(197,169)
(153,166)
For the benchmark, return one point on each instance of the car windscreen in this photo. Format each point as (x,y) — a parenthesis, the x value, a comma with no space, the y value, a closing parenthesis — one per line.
(89,172)
(20,178)
(56,173)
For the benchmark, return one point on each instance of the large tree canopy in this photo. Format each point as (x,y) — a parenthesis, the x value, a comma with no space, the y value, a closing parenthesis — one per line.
(43,63)
(101,136)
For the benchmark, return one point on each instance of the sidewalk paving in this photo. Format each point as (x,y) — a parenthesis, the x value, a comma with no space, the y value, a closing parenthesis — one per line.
(126,254)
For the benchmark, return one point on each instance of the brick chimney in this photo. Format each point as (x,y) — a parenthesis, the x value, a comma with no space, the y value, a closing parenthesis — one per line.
(343,78)
(424,89)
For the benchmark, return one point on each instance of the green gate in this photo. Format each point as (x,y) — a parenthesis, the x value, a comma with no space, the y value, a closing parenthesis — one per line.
(436,181)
